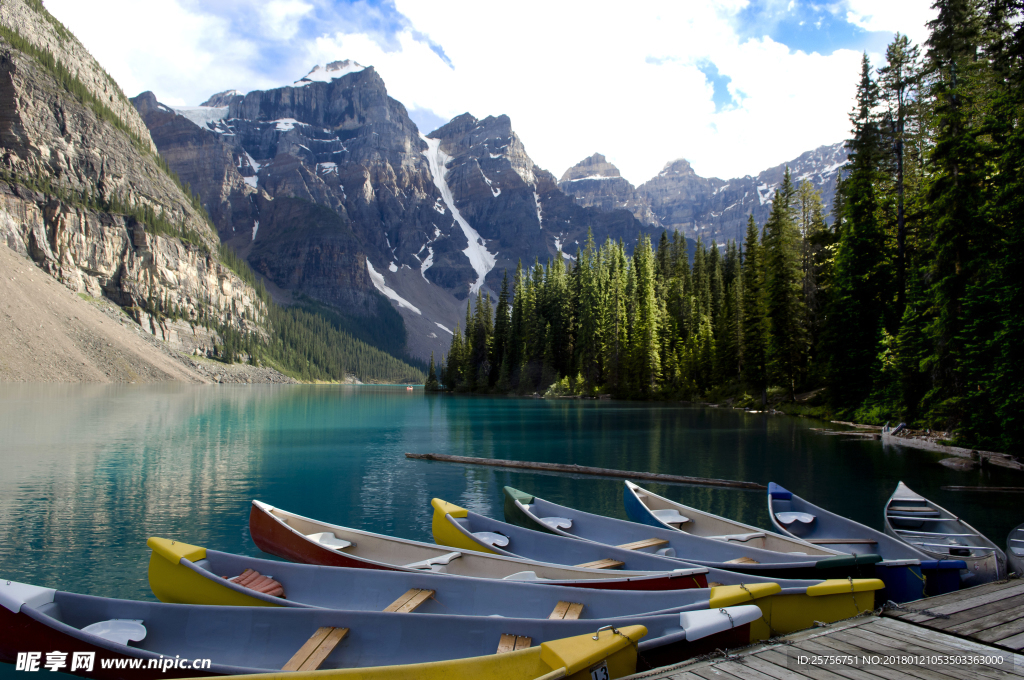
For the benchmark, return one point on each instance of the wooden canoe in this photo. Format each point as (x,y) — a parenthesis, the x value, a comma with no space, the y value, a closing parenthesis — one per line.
(908,573)
(935,531)
(535,513)
(1015,550)
(647,507)
(787,605)
(244,640)
(189,574)
(301,539)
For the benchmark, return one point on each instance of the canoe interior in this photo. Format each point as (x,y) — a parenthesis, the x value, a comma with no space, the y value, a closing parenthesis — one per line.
(935,531)
(255,639)
(832,527)
(681,545)
(287,535)
(374,590)
(643,506)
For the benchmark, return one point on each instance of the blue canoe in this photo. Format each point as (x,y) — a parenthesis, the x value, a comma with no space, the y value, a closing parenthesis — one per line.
(909,574)
(242,640)
(535,513)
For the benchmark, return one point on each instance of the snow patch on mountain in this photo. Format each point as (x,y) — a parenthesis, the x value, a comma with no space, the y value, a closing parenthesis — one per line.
(479,257)
(536,199)
(490,184)
(444,328)
(379,284)
(427,263)
(201,115)
(325,74)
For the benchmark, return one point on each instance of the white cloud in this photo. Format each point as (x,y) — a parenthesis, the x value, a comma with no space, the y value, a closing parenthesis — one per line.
(574,77)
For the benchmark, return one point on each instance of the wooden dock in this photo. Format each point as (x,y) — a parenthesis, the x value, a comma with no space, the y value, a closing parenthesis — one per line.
(978,639)
(992,614)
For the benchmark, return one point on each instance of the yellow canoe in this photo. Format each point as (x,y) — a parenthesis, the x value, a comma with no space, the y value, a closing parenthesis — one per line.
(606,653)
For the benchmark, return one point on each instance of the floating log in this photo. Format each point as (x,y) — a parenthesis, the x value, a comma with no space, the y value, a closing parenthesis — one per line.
(993,489)
(583,470)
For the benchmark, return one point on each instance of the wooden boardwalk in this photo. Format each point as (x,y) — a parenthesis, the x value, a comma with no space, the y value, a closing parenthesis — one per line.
(992,614)
(986,621)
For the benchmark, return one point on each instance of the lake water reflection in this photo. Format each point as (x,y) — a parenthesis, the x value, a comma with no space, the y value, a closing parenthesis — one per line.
(90,472)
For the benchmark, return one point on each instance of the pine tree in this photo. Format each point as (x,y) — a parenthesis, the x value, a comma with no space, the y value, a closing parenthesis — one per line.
(755,316)
(431,384)
(647,322)
(787,339)
(859,298)
(501,334)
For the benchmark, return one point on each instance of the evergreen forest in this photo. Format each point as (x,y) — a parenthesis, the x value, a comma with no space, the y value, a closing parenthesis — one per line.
(902,304)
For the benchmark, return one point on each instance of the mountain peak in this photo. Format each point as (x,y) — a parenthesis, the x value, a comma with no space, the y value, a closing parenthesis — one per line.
(224,98)
(593,167)
(679,166)
(333,71)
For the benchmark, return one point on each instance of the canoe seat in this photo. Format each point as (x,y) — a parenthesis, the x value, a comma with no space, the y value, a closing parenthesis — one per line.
(254,580)
(491,538)
(317,648)
(743,560)
(915,509)
(788,518)
(670,516)
(434,563)
(1019,552)
(742,538)
(557,522)
(329,540)
(646,543)
(601,564)
(524,576)
(511,643)
(410,601)
(118,630)
(566,611)
(840,541)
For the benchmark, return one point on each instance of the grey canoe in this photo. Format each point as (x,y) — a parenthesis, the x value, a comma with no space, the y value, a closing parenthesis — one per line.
(935,531)
(1015,550)
(375,590)
(535,513)
(241,640)
(647,507)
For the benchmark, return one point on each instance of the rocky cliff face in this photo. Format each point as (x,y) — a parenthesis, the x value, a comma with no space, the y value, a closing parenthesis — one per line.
(715,209)
(83,187)
(330,191)
(516,207)
(596,182)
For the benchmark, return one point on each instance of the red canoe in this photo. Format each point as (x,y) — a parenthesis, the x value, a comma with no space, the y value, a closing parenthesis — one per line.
(309,541)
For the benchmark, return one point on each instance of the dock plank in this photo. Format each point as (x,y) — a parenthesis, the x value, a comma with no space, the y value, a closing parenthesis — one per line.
(989,620)
(873,643)
(964,605)
(858,646)
(997,634)
(948,598)
(943,642)
(869,643)
(779,659)
(813,646)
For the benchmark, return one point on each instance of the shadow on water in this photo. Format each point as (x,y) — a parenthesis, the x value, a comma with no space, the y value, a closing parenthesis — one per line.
(90,472)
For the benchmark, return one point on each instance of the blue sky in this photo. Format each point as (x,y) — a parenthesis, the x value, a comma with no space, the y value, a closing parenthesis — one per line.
(732,85)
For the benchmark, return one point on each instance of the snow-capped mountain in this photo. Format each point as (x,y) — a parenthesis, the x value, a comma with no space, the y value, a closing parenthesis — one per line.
(330,192)
(701,207)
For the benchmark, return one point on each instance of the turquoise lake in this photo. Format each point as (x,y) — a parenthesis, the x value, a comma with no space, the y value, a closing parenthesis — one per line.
(90,472)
